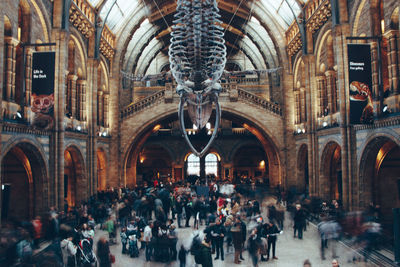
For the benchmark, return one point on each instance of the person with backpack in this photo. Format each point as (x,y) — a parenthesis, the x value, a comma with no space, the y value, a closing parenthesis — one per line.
(195,249)
(68,250)
(205,253)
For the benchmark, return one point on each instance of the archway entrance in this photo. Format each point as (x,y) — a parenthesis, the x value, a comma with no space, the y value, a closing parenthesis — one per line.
(75,184)
(380,177)
(101,170)
(302,170)
(250,162)
(24,183)
(331,186)
(154,163)
(234,131)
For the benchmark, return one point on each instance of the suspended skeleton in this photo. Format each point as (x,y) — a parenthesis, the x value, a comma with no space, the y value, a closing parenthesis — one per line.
(197,56)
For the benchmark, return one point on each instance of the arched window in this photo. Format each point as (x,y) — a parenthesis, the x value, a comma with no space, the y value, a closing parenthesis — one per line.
(193,165)
(212,164)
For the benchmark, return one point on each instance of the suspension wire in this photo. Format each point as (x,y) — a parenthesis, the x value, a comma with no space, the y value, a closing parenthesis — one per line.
(237,37)
(234,14)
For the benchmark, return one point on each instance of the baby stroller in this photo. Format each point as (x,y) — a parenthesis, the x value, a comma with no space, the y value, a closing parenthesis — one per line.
(86,255)
(133,247)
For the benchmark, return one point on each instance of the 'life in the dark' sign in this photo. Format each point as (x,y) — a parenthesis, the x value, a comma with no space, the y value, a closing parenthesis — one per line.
(360,79)
(42,100)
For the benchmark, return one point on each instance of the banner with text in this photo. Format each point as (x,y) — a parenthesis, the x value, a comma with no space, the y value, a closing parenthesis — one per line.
(42,100)
(360,78)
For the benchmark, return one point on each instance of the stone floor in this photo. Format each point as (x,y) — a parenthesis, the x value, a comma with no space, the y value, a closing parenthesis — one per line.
(290,251)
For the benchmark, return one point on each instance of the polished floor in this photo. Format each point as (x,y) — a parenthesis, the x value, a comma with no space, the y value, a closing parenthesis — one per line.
(290,252)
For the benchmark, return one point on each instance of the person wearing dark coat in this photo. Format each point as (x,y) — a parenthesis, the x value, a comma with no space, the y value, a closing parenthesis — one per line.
(272,231)
(179,210)
(253,245)
(182,256)
(103,253)
(205,253)
(188,211)
(218,233)
(237,236)
(244,231)
(299,221)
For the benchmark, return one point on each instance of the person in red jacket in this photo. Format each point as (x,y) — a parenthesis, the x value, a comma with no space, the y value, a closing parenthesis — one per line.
(37,231)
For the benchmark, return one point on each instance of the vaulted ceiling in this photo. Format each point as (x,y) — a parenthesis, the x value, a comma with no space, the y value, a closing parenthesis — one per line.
(253,28)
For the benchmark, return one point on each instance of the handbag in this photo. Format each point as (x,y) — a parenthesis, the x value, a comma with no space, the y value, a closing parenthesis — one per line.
(112,258)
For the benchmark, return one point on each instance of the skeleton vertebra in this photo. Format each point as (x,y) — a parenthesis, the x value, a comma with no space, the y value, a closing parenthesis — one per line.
(197,56)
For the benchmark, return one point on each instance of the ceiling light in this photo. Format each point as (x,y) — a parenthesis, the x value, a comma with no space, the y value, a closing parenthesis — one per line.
(79,128)
(304,130)
(299,130)
(324,124)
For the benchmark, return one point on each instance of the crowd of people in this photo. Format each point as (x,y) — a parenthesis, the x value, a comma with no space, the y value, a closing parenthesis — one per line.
(226,218)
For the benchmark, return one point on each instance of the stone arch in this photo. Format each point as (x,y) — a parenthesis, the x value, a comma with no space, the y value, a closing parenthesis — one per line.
(144,129)
(7,27)
(395,19)
(25,174)
(76,184)
(330,176)
(303,181)
(244,164)
(43,17)
(357,17)
(325,37)
(379,176)
(154,160)
(102,170)
(80,49)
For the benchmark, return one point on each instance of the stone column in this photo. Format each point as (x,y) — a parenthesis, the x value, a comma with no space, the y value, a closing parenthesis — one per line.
(28,78)
(393,60)
(70,92)
(57,138)
(10,47)
(310,121)
(91,109)
(81,99)
(348,145)
(100,120)
(374,69)
(106,99)
(331,90)
(321,85)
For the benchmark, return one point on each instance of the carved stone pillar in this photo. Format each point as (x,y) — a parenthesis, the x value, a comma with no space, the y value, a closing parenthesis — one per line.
(303,105)
(298,107)
(28,78)
(9,68)
(81,100)
(331,90)
(106,99)
(393,60)
(70,95)
(374,69)
(100,113)
(322,95)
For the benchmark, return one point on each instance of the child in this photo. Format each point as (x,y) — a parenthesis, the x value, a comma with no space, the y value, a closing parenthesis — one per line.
(124,240)
(182,256)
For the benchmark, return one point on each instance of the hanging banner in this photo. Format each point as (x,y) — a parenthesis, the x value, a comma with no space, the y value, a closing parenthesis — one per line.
(360,78)
(42,100)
